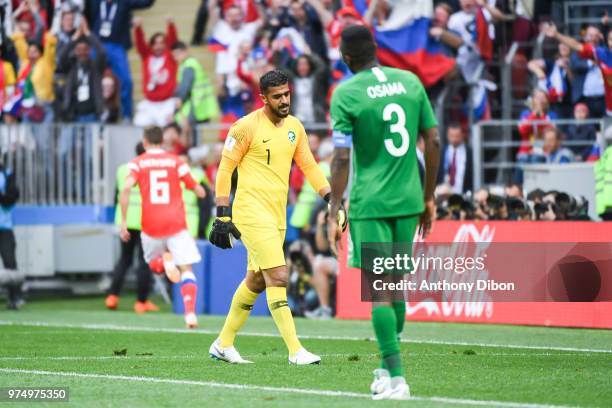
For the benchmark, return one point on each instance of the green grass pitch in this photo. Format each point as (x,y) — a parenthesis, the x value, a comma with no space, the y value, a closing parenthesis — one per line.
(72,343)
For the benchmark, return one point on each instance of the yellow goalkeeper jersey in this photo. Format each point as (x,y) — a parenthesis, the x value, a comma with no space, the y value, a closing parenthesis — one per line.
(264,153)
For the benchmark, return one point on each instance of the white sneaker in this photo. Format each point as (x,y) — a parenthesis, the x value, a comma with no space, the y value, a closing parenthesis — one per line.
(191,320)
(382,381)
(304,357)
(399,391)
(227,354)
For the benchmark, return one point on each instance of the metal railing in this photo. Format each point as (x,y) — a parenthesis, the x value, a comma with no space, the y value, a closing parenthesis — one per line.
(494,156)
(53,163)
(578,13)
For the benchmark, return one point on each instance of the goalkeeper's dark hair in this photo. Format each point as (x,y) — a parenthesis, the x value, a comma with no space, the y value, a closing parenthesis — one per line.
(154,135)
(271,79)
(358,43)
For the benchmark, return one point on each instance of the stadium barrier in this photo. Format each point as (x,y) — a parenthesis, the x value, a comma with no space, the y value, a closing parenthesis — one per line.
(495,144)
(570,314)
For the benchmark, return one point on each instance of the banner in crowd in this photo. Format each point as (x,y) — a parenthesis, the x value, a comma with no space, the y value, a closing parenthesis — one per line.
(572,314)
(404,41)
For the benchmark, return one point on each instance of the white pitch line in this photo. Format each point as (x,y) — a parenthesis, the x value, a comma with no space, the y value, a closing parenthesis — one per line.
(307,391)
(114,327)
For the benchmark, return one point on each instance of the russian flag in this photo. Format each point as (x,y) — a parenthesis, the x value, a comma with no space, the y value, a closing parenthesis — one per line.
(410,47)
(482,36)
(215,45)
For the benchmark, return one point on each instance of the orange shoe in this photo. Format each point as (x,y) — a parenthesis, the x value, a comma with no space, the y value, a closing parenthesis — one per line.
(112,301)
(150,306)
(172,272)
(140,307)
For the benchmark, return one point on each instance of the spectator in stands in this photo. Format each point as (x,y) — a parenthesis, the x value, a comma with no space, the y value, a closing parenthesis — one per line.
(175,141)
(111,21)
(258,65)
(309,81)
(111,113)
(7,88)
(304,18)
(227,35)
(600,59)
(581,132)
(83,100)
(463,23)
(10,278)
(29,20)
(457,167)
(130,248)
(35,79)
(553,152)
(196,101)
(159,69)
(65,32)
(555,77)
(534,121)
(439,30)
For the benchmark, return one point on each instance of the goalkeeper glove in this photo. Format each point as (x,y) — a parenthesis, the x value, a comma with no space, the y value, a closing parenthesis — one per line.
(223,229)
(341,217)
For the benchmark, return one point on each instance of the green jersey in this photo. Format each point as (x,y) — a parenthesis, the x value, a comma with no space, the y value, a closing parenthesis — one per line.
(379,112)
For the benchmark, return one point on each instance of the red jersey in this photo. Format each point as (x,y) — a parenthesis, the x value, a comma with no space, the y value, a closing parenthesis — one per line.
(603,57)
(159,175)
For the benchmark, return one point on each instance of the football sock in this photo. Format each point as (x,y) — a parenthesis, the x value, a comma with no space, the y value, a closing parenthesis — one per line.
(400,315)
(385,328)
(240,309)
(189,290)
(277,303)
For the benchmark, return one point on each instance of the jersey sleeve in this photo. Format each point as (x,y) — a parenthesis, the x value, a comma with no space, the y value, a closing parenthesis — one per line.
(342,122)
(185,175)
(133,170)
(238,141)
(306,162)
(427,117)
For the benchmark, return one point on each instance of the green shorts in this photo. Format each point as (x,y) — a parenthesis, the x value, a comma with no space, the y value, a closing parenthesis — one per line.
(392,230)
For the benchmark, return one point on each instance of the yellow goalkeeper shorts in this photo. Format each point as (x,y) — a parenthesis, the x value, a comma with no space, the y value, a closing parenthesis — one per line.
(264,244)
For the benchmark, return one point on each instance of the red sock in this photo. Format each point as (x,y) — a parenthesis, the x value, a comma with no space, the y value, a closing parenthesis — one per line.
(189,291)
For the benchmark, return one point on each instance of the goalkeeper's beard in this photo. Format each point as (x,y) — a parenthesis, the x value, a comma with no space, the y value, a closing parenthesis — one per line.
(278,113)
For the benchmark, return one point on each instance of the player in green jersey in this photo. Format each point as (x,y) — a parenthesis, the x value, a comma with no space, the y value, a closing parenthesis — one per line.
(378,113)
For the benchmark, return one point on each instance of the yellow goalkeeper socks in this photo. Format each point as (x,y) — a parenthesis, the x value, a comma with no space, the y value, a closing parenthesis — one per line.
(242,304)
(277,302)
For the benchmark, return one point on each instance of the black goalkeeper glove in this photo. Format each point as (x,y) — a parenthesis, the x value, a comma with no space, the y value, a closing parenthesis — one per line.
(223,229)
(341,216)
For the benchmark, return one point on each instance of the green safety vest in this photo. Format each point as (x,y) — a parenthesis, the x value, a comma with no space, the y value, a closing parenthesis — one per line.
(603,182)
(135,208)
(202,100)
(306,200)
(192,212)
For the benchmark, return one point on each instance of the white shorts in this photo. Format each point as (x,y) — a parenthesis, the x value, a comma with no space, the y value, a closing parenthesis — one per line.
(182,246)
(149,113)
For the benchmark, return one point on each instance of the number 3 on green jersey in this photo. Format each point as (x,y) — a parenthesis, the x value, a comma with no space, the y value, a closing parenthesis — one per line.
(379,113)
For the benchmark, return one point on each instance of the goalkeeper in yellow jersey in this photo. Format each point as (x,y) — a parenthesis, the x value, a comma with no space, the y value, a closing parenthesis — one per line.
(262,145)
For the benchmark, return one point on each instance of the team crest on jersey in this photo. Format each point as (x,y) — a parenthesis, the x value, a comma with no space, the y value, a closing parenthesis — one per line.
(291,136)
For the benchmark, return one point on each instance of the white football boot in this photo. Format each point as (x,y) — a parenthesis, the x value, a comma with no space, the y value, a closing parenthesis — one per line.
(227,354)
(304,357)
(397,390)
(382,381)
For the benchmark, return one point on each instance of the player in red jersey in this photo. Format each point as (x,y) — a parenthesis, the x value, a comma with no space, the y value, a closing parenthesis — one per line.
(164,229)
